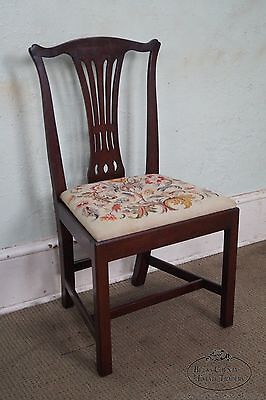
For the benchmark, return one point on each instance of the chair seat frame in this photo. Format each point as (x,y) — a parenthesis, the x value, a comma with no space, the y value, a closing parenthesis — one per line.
(100,253)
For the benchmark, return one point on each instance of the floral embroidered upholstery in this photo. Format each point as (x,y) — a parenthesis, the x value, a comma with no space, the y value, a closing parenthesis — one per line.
(122,206)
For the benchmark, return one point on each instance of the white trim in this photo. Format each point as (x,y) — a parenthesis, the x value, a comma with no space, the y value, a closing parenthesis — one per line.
(250,196)
(28,248)
(30,273)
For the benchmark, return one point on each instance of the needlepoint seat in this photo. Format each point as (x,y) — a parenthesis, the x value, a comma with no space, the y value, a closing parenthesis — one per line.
(121,206)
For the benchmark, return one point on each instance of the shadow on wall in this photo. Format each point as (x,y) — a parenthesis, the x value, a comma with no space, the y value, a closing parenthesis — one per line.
(26,177)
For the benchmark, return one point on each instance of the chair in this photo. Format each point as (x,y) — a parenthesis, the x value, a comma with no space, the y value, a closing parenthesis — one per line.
(115,216)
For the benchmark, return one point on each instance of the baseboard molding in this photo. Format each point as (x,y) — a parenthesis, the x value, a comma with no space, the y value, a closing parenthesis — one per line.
(30,273)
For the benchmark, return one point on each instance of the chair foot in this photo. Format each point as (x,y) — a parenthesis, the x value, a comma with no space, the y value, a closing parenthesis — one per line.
(66,299)
(140,269)
(225,324)
(104,370)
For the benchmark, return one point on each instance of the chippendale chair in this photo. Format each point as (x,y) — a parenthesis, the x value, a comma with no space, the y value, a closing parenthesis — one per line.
(114,215)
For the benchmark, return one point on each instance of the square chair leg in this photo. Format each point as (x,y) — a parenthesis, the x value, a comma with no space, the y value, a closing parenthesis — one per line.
(229,274)
(65,240)
(102,317)
(140,269)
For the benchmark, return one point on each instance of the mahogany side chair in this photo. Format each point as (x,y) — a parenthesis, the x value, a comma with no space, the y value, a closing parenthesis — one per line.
(114,215)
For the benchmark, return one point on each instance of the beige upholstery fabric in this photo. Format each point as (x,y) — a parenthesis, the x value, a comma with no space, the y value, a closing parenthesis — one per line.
(117,207)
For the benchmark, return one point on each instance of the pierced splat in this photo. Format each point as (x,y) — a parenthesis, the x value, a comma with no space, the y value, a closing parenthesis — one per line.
(98,62)
(99,79)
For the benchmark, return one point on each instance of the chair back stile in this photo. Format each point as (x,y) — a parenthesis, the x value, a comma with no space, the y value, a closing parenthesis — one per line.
(98,63)
(52,142)
(152,152)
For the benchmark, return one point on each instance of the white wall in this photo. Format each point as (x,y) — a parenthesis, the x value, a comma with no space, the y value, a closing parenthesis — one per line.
(212,96)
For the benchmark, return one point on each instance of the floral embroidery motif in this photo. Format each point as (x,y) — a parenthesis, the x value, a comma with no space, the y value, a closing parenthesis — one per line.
(134,197)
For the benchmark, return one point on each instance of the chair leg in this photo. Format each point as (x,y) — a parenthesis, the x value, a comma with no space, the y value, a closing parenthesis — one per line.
(102,317)
(229,274)
(65,240)
(140,269)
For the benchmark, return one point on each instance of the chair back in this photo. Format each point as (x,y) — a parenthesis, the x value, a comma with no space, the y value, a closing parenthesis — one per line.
(98,62)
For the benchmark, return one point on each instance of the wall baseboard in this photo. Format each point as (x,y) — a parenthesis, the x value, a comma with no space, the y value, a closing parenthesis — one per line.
(30,273)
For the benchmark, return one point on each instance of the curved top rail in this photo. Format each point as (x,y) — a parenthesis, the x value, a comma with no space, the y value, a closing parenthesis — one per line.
(94,46)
